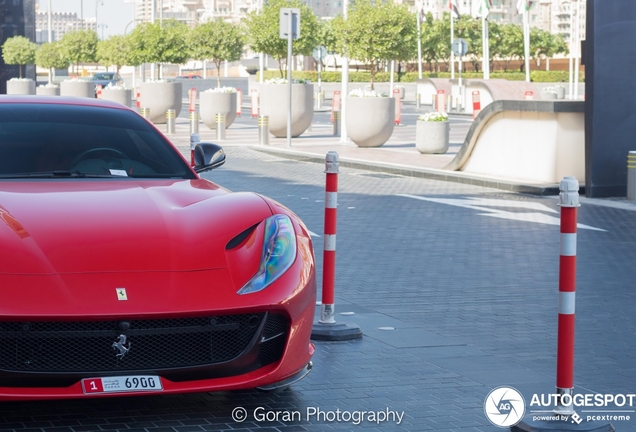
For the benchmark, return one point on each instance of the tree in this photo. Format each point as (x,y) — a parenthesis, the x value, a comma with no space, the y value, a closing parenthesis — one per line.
(79,46)
(50,56)
(218,41)
(114,51)
(376,32)
(544,44)
(264,35)
(157,43)
(19,50)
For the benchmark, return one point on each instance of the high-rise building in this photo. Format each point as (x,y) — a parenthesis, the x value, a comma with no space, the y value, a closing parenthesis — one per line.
(61,23)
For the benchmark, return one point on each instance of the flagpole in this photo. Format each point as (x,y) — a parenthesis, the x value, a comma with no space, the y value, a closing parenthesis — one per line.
(577,43)
(485,65)
(570,82)
(526,37)
(452,57)
(419,41)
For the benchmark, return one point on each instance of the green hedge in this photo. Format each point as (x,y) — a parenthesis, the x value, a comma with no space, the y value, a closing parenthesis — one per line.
(365,77)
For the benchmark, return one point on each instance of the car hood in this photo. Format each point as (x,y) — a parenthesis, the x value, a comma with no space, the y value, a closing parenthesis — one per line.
(89,226)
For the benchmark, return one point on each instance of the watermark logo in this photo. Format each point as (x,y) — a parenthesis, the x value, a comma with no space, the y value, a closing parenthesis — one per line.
(504,406)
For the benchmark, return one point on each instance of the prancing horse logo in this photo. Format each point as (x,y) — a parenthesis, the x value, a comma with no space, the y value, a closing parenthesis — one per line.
(120,346)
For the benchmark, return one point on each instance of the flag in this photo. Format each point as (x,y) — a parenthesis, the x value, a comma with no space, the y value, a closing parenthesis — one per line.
(420,12)
(452,5)
(481,8)
(524,5)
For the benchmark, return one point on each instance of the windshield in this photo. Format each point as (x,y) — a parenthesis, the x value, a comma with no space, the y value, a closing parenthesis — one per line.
(68,141)
(104,76)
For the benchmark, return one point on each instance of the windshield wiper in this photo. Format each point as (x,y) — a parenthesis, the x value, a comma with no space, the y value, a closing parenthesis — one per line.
(53,174)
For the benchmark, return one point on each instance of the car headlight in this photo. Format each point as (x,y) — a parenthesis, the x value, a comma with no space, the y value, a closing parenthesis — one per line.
(279,253)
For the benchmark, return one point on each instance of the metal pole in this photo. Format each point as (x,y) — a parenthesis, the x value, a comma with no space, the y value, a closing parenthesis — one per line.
(289,77)
(344,86)
(263,130)
(571,56)
(452,57)
(631,176)
(194,122)
(170,121)
(336,123)
(526,39)
(419,45)
(220,127)
(569,202)
(50,31)
(577,44)
(485,48)
(329,252)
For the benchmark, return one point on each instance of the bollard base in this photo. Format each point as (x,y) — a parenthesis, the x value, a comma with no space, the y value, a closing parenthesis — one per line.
(528,425)
(335,331)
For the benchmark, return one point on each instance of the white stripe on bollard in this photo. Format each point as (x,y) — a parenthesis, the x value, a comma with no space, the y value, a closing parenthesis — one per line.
(567,302)
(331,199)
(568,244)
(330,242)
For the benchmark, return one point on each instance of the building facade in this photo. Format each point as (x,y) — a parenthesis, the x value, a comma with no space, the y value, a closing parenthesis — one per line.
(61,23)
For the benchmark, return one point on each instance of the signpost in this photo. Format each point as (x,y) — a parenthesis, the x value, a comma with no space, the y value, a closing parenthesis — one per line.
(460,48)
(289,29)
(319,53)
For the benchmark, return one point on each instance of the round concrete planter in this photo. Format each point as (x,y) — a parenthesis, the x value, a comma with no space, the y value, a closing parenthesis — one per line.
(47,91)
(77,89)
(119,95)
(431,136)
(549,96)
(21,87)
(370,120)
(213,103)
(560,91)
(273,103)
(159,97)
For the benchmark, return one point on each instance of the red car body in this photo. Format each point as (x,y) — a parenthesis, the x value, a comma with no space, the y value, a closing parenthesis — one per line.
(180,248)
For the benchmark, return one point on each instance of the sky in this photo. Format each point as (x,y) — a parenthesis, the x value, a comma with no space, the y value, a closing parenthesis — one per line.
(115,14)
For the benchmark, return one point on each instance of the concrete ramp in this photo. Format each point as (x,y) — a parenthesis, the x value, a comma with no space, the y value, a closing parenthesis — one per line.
(529,141)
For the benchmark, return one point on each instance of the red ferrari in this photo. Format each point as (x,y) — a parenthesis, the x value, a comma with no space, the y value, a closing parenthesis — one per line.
(124,273)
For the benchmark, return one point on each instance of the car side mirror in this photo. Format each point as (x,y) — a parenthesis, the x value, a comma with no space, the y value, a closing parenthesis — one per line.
(208,156)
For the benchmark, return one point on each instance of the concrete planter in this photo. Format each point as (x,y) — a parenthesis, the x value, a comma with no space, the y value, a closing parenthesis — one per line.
(119,95)
(432,136)
(273,103)
(160,97)
(213,103)
(47,91)
(549,96)
(21,87)
(560,91)
(370,120)
(77,89)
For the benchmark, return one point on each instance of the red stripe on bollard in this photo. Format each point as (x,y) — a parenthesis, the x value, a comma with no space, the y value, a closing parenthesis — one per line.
(239,102)
(476,103)
(568,201)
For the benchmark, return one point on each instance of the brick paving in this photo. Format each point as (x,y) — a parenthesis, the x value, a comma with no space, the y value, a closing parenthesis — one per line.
(472,301)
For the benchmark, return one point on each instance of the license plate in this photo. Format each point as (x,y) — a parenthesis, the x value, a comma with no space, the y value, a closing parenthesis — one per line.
(122,384)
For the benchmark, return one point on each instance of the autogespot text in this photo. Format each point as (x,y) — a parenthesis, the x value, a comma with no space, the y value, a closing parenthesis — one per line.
(318,415)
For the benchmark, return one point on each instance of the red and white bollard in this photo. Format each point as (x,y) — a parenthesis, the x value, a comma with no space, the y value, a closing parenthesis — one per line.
(476,103)
(569,202)
(239,102)
(329,251)
(192,99)
(397,95)
(326,328)
(335,104)
(441,101)
(99,88)
(138,97)
(529,95)
(254,102)
(194,140)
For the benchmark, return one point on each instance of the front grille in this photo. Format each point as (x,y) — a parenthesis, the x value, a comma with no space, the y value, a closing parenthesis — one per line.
(274,339)
(73,347)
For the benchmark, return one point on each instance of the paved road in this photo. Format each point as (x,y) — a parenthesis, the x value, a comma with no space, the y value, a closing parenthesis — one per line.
(465,276)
